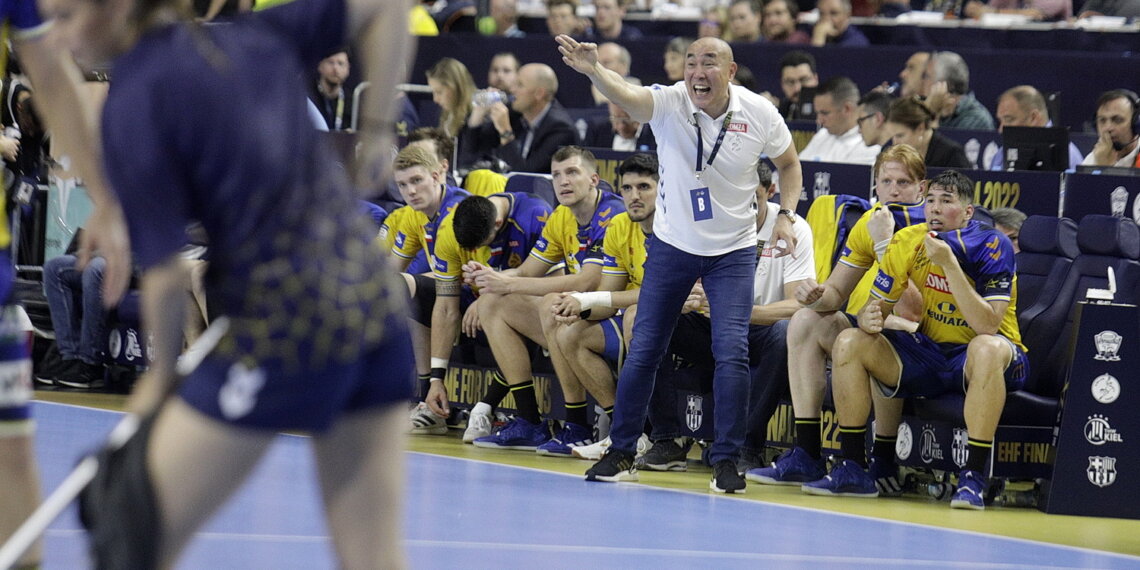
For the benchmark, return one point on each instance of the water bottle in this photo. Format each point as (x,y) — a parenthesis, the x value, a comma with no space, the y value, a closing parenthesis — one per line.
(488,97)
(892,88)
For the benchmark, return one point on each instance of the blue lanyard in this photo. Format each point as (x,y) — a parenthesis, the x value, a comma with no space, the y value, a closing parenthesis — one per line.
(701,142)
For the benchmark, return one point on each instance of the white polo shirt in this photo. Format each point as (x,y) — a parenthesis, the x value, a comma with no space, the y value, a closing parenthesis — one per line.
(723,218)
(847,147)
(772,272)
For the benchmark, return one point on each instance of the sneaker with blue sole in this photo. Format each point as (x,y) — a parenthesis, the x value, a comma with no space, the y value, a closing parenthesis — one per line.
(517,434)
(971,491)
(847,479)
(793,467)
(572,435)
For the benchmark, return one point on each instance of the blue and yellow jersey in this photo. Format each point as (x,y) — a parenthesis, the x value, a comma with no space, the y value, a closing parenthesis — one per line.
(625,251)
(985,255)
(508,249)
(859,251)
(401,232)
(563,240)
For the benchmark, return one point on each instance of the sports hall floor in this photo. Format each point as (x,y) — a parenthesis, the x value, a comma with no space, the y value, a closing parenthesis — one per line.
(476,508)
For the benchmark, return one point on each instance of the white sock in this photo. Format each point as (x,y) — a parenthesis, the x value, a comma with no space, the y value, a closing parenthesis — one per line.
(481,408)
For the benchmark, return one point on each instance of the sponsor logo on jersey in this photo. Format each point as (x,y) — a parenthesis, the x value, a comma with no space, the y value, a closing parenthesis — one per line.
(1101,470)
(1099,432)
(884,282)
(1107,346)
(947,307)
(947,319)
(541,244)
(400,238)
(938,283)
(738,127)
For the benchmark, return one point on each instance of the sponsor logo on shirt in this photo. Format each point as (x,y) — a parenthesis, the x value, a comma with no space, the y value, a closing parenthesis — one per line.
(738,127)
(938,283)
(884,282)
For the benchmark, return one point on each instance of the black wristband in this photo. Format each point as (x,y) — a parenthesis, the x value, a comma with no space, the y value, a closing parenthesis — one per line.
(438,373)
(584,314)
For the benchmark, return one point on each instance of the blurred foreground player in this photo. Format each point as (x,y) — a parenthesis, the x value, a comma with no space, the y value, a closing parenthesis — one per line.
(316,338)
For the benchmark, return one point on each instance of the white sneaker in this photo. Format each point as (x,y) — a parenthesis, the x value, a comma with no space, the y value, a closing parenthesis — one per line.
(478,425)
(595,451)
(423,421)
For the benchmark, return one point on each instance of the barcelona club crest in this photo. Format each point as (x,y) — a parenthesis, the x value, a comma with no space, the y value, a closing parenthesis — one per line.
(1102,470)
(1107,346)
(960,448)
(694,412)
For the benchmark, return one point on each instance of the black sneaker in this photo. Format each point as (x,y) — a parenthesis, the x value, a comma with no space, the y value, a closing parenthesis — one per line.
(667,455)
(613,467)
(51,366)
(725,478)
(749,460)
(81,375)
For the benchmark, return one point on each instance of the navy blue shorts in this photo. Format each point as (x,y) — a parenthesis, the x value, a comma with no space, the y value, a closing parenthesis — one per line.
(931,369)
(267,398)
(615,340)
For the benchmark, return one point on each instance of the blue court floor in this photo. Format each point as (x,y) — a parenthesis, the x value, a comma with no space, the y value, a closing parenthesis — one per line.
(472,514)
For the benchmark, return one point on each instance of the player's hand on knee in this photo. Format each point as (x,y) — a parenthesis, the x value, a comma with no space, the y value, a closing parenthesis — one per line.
(871,318)
(808,292)
(471,325)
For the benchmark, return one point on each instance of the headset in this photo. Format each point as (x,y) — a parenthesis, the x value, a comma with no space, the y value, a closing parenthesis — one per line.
(1133,101)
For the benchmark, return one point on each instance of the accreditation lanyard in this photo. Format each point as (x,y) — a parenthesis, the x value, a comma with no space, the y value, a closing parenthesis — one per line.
(701,142)
(339,122)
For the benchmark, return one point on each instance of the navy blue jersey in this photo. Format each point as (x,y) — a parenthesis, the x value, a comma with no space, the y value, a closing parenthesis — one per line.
(211,124)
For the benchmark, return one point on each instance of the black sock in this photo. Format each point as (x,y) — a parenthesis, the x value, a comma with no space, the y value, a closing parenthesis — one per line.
(525,402)
(424,385)
(979,454)
(883,450)
(807,436)
(853,444)
(576,413)
(609,413)
(496,391)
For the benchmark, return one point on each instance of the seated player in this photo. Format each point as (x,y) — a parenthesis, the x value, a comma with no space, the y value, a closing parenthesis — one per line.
(510,306)
(967,340)
(497,231)
(586,336)
(774,286)
(899,172)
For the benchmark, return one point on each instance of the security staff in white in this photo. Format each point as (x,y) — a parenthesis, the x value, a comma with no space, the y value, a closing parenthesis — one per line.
(710,135)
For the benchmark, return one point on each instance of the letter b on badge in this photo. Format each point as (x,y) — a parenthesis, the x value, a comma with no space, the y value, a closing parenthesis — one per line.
(702,204)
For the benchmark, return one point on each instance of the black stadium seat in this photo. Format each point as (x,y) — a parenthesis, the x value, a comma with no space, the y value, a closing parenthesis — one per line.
(1048,247)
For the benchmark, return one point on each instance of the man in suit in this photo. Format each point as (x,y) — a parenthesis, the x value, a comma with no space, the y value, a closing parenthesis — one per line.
(526,136)
(619,131)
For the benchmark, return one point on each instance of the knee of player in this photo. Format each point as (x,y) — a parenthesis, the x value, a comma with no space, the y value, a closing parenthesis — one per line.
(986,353)
(849,343)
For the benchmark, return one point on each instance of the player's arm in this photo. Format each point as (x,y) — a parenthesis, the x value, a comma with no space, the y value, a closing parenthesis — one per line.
(780,310)
(832,295)
(597,305)
(983,316)
(583,58)
(162,287)
(72,118)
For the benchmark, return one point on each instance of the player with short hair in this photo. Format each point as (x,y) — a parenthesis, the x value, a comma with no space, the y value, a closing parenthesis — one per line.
(967,340)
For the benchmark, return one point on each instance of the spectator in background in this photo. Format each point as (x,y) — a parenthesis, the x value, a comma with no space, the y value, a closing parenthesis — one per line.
(562,18)
(75,300)
(1116,143)
(525,136)
(744,21)
(452,88)
(838,138)
(674,61)
(712,22)
(614,57)
(608,22)
(910,122)
(1049,10)
(1024,106)
(779,23)
(328,95)
(834,25)
(1008,221)
(946,86)
(1118,8)
(745,78)
(505,13)
(503,72)
(910,78)
(619,131)
(797,70)
(873,108)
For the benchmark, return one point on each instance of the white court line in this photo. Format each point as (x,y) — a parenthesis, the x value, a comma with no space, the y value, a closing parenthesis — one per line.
(635,485)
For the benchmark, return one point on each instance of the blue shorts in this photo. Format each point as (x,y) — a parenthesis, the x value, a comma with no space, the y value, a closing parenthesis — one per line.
(615,340)
(267,398)
(931,369)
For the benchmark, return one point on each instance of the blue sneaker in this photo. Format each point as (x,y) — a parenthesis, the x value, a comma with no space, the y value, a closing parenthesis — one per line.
(971,491)
(847,479)
(517,434)
(793,467)
(572,435)
(886,476)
